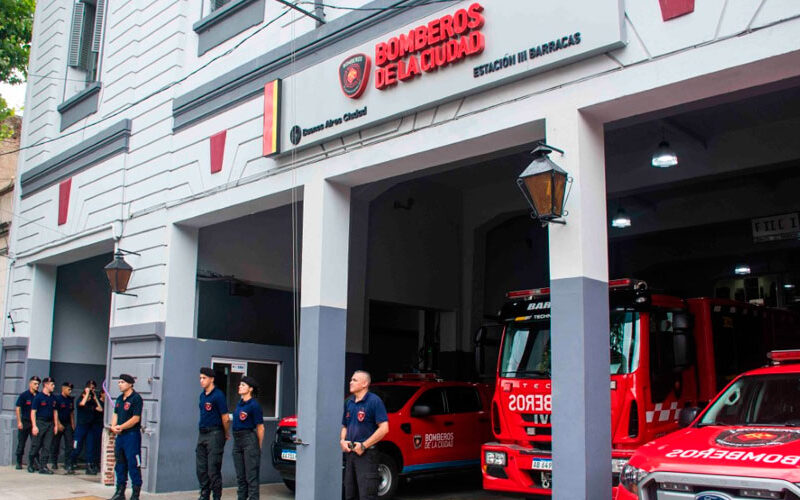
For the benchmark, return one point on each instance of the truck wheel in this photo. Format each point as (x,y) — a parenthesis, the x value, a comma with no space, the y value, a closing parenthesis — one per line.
(289,484)
(388,476)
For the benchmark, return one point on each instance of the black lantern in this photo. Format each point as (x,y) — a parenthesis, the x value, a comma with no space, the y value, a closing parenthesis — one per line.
(119,273)
(544,185)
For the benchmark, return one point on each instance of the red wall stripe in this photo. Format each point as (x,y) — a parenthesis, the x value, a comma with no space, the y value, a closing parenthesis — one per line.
(217,151)
(63,201)
(670,9)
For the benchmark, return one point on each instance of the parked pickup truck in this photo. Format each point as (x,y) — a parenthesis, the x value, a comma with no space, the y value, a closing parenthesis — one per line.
(744,445)
(434,426)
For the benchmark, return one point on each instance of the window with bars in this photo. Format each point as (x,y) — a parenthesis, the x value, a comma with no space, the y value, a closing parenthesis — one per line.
(218,4)
(86,37)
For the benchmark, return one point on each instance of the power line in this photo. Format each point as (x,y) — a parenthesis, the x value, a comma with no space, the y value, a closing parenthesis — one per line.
(211,61)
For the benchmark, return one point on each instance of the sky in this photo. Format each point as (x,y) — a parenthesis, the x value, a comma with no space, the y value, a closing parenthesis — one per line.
(14,95)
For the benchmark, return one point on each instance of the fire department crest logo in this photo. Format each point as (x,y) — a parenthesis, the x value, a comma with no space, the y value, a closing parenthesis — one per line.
(417,441)
(208,406)
(361,415)
(127,406)
(354,75)
(243,416)
(748,438)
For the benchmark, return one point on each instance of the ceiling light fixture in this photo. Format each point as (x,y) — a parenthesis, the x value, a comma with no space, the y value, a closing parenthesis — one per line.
(741,270)
(621,220)
(664,156)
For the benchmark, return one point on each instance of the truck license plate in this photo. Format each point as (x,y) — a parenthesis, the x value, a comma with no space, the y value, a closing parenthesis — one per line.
(542,464)
(290,455)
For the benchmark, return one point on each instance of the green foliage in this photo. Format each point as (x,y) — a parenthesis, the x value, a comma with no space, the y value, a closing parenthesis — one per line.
(16,27)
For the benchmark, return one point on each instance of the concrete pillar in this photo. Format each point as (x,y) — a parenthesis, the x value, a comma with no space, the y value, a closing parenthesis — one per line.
(323,324)
(43,286)
(579,302)
(181,281)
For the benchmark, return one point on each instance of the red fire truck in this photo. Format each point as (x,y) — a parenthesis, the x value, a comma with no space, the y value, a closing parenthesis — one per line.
(745,445)
(434,426)
(662,359)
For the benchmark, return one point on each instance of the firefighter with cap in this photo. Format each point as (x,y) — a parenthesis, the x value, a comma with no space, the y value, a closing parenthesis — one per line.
(84,438)
(364,424)
(213,432)
(24,405)
(126,425)
(44,422)
(65,405)
(248,434)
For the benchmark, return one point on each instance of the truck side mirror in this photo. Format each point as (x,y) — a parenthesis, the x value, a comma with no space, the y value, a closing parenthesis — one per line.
(683,349)
(420,411)
(480,336)
(687,415)
(681,321)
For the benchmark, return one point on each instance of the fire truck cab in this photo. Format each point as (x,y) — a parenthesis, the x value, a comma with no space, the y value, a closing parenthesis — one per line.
(662,350)
(744,445)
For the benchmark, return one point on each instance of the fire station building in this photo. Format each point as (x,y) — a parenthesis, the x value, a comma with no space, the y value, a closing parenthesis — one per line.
(302,192)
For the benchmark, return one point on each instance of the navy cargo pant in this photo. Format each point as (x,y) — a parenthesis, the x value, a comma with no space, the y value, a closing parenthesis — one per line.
(361,475)
(247,461)
(210,446)
(83,435)
(42,442)
(66,436)
(128,455)
(22,438)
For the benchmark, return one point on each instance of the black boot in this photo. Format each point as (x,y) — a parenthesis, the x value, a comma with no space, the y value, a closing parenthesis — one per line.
(136,491)
(54,466)
(45,470)
(68,467)
(120,493)
(31,468)
(19,463)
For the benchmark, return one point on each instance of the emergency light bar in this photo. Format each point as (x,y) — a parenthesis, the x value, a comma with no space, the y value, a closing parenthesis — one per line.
(516,294)
(784,357)
(415,377)
(620,283)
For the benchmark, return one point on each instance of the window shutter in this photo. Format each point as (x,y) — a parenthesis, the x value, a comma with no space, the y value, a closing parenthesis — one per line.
(75,57)
(97,37)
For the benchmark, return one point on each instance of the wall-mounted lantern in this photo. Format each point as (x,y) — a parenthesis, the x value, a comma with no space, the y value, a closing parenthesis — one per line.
(544,186)
(119,272)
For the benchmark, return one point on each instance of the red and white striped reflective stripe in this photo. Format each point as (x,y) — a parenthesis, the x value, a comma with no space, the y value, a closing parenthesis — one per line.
(661,413)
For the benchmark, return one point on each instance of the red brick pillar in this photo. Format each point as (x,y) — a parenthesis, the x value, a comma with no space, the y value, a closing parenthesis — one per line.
(107,461)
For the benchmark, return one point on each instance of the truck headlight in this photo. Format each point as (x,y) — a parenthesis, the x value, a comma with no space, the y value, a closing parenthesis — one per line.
(630,477)
(617,464)
(495,458)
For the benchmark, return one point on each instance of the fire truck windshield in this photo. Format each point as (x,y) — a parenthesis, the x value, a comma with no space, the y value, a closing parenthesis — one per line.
(772,400)
(394,397)
(624,341)
(526,350)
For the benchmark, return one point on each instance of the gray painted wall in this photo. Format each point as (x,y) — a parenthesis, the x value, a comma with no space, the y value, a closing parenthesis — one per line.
(81,311)
(179,413)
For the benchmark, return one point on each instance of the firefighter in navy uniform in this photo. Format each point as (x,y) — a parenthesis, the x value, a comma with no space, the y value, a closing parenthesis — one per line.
(84,439)
(126,424)
(44,422)
(364,424)
(24,404)
(248,434)
(96,433)
(213,432)
(65,404)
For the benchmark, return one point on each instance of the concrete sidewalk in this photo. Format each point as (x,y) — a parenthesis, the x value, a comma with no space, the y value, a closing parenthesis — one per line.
(20,485)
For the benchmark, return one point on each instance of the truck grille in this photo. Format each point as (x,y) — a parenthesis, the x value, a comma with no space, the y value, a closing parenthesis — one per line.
(675,486)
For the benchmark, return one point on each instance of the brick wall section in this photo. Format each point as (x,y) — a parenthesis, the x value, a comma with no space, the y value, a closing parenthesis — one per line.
(107,461)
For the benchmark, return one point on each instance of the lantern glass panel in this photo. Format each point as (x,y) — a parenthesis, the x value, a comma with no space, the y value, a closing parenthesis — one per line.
(559,188)
(540,189)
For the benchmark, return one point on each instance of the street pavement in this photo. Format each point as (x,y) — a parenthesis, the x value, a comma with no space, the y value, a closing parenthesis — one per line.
(19,485)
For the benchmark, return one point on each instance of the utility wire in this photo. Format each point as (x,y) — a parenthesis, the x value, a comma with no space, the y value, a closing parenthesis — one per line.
(377,9)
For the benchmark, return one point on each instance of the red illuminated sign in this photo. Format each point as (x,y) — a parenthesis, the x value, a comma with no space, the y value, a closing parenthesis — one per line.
(428,47)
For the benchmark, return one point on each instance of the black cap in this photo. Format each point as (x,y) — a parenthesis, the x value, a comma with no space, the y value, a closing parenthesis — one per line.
(37,379)
(67,384)
(208,372)
(127,378)
(48,379)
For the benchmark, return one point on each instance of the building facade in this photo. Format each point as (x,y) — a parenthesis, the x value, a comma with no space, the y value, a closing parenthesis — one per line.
(282,185)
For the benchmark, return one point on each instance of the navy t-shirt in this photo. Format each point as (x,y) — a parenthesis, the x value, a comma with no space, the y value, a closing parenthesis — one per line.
(97,416)
(25,402)
(125,409)
(86,413)
(44,405)
(64,406)
(247,415)
(212,407)
(362,418)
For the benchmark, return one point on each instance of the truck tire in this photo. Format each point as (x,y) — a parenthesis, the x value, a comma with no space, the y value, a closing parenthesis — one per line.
(388,476)
(289,484)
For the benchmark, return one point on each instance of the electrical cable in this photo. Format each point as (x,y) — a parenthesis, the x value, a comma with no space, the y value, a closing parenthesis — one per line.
(378,9)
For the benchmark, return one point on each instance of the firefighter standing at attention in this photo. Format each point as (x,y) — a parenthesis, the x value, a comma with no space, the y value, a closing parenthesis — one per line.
(248,434)
(126,424)
(65,405)
(364,424)
(213,432)
(44,421)
(24,404)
